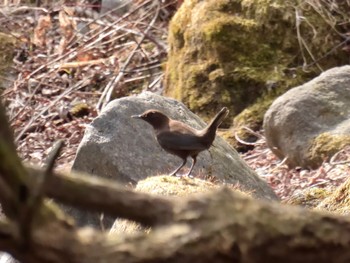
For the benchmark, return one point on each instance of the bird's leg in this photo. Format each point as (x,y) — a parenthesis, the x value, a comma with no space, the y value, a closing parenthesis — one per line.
(178,168)
(193,163)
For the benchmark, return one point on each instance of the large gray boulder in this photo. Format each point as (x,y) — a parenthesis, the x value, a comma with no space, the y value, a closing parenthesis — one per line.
(310,123)
(118,147)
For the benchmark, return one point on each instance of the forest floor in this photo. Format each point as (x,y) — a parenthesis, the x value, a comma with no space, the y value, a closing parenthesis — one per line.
(57,77)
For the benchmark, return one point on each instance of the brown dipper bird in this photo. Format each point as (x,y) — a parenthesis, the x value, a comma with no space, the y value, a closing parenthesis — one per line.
(179,139)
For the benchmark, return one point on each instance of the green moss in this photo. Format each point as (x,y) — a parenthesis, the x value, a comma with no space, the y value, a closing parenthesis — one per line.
(253,115)
(325,145)
(222,28)
(7,44)
(80,109)
(309,198)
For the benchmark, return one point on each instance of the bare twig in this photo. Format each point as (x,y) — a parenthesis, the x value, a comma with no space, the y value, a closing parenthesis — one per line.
(302,43)
(343,43)
(285,159)
(49,166)
(256,134)
(8,11)
(249,143)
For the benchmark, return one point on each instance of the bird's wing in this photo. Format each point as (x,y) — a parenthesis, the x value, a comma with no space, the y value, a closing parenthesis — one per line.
(180,141)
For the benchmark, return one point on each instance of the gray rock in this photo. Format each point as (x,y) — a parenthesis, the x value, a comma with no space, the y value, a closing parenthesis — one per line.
(118,147)
(311,122)
(119,7)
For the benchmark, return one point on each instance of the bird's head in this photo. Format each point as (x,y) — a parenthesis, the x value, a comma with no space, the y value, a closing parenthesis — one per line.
(154,117)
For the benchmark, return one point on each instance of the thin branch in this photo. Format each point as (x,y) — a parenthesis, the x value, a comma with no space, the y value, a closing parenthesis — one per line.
(302,42)
(23,9)
(329,52)
(51,159)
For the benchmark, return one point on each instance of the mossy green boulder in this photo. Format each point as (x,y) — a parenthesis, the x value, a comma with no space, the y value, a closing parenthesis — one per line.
(238,53)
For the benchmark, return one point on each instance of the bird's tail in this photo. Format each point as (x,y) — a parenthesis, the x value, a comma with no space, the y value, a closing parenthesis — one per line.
(218,118)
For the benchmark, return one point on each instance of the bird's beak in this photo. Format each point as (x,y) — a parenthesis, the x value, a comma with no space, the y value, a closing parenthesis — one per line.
(136,116)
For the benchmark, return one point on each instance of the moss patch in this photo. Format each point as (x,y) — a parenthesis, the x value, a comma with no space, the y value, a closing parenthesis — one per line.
(325,145)
(309,198)
(339,201)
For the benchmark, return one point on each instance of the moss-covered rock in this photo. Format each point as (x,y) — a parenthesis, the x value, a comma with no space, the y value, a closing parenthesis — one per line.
(327,144)
(7,45)
(228,52)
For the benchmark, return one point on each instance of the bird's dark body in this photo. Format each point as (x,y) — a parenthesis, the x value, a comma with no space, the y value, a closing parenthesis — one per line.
(178,138)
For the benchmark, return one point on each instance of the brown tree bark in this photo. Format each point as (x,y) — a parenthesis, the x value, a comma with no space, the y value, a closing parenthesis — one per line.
(221,226)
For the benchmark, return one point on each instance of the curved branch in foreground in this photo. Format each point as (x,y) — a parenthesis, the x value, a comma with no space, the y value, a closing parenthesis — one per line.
(221,226)
(101,195)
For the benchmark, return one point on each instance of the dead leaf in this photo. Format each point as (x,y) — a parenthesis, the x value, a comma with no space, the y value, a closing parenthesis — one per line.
(67,26)
(44,23)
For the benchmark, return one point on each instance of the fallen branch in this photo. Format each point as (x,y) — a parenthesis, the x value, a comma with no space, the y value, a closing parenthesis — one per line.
(221,226)
(105,196)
